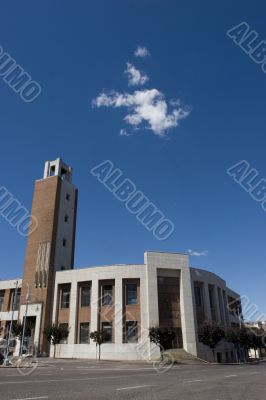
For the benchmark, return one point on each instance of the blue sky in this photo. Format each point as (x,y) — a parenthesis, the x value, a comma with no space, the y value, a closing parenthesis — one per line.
(79,50)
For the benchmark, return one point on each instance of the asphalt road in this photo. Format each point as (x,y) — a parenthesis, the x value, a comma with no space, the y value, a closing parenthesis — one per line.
(73,380)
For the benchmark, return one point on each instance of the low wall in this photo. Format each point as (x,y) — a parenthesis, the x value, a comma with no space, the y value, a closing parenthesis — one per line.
(109,351)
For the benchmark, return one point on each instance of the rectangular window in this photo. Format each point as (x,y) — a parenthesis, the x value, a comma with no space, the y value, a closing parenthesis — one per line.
(131,294)
(107,328)
(65,298)
(52,171)
(64,242)
(198,296)
(67,196)
(85,296)
(66,218)
(211,297)
(84,333)
(14,300)
(17,300)
(131,331)
(2,295)
(63,174)
(107,295)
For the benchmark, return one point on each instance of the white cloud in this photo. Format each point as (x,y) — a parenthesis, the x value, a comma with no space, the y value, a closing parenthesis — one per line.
(146,106)
(135,77)
(124,132)
(142,51)
(197,253)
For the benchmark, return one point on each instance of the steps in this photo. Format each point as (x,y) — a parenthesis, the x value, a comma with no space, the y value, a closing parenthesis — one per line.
(180,356)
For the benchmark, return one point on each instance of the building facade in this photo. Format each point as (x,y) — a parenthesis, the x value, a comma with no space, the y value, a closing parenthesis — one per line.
(123,300)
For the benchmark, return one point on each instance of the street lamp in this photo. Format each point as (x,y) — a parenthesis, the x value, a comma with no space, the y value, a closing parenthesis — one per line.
(24,321)
(6,361)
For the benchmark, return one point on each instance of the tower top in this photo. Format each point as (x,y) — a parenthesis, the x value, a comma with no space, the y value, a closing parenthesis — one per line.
(58,168)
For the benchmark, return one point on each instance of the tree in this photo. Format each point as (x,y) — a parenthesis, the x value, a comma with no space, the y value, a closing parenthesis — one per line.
(261,340)
(17,329)
(55,334)
(245,340)
(211,335)
(232,336)
(99,337)
(256,340)
(162,337)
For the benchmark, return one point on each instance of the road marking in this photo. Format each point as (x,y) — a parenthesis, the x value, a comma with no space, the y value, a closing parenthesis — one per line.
(230,376)
(133,387)
(253,373)
(195,380)
(33,398)
(65,380)
(123,369)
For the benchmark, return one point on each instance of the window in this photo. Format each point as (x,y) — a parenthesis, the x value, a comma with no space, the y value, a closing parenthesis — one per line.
(66,218)
(131,294)
(198,296)
(65,298)
(107,328)
(67,196)
(63,174)
(17,300)
(14,300)
(2,295)
(131,331)
(85,296)
(63,268)
(107,295)
(84,333)
(52,171)
(64,242)
(211,297)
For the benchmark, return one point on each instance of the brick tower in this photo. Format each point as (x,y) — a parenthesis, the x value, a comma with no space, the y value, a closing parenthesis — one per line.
(50,247)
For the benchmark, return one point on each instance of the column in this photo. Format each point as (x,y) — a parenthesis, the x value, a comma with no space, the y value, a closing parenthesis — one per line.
(146,348)
(55,305)
(217,305)
(187,312)
(73,313)
(206,299)
(226,312)
(94,304)
(118,319)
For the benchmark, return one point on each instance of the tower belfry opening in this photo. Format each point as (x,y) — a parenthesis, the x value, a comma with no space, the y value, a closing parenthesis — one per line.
(58,168)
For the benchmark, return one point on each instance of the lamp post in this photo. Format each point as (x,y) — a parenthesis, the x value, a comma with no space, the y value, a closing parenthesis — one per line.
(14,302)
(24,322)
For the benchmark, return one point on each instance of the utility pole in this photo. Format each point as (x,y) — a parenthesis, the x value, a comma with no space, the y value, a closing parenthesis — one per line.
(14,302)
(24,322)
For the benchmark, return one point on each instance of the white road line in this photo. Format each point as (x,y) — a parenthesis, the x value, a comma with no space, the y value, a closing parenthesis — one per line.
(253,373)
(133,387)
(123,369)
(33,398)
(230,376)
(195,380)
(63,380)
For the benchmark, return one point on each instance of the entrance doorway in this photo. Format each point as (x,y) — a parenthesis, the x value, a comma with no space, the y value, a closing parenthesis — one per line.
(28,347)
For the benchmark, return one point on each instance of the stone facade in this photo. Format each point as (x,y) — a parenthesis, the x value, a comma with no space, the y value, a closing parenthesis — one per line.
(125,300)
